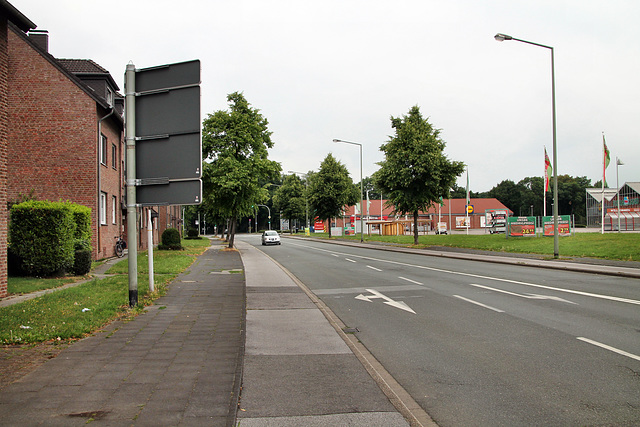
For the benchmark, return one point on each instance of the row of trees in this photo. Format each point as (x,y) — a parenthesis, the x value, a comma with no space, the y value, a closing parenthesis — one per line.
(414,175)
(238,176)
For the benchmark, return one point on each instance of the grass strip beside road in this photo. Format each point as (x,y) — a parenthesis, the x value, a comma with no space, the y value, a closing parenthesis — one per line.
(75,312)
(614,246)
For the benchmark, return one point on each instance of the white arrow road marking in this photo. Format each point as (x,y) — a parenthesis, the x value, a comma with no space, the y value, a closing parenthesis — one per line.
(529,296)
(397,304)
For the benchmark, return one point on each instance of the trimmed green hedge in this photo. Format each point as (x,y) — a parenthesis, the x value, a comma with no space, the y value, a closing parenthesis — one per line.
(170,240)
(44,235)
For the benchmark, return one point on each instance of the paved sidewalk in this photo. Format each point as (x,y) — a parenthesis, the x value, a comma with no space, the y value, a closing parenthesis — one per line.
(178,364)
(297,370)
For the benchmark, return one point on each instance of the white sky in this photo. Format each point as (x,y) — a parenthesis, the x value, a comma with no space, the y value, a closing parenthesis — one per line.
(340,69)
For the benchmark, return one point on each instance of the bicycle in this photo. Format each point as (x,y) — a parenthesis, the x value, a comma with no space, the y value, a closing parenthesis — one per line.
(121,245)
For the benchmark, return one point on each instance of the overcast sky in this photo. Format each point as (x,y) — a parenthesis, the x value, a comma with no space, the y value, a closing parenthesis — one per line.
(341,69)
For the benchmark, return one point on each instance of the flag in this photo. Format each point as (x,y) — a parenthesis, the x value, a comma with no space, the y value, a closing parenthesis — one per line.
(605,161)
(548,170)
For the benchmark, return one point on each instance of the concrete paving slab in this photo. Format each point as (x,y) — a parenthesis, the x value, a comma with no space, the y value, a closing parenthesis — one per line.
(279,301)
(301,331)
(308,385)
(365,419)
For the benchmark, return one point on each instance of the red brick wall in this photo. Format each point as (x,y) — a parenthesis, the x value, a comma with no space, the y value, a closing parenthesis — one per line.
(53,140)
(3,155)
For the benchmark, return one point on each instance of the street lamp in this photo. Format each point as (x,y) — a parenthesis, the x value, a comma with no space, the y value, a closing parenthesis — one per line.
(306,196)
(502,37)
(361,195)
(618,163)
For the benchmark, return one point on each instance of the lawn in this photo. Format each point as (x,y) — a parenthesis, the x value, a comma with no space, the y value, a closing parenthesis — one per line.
(75,312)
(615,246)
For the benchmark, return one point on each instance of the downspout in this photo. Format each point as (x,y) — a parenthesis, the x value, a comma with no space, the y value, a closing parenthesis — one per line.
(99,178)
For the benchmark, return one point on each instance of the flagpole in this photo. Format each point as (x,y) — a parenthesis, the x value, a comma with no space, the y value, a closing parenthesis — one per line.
(604,167)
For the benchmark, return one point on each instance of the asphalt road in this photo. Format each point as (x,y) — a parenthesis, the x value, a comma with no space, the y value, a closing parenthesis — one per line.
(479,343)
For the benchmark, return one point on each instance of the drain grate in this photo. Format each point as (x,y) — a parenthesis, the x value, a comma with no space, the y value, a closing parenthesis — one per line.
(350,330)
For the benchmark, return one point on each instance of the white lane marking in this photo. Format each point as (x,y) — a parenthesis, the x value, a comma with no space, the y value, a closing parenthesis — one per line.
(498,279)
(350,260)
(335,255)
(373,268)
(530,296)
(479,303)
(397,304)
(410,281)
(608,347)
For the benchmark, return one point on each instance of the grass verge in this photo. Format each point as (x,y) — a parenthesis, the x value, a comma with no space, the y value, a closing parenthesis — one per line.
(75,312)
(614,246)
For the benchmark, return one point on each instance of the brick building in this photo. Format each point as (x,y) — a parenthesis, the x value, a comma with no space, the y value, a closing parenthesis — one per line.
(8,15)
(66,136)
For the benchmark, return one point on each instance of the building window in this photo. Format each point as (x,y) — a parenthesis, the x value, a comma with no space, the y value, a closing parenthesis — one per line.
(109,96)
(114,157)
(103,208)
(114,203)
(103,149)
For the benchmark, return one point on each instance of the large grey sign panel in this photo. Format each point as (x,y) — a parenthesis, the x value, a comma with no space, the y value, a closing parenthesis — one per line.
(168,112)
(173,193)
(168,76)
(167,133)
(172,156)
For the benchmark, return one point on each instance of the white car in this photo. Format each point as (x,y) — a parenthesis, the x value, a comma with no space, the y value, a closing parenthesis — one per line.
(270,237)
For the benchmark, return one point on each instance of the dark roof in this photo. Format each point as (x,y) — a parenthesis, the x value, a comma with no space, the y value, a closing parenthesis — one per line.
(87,68)
(82,66)
(15,16)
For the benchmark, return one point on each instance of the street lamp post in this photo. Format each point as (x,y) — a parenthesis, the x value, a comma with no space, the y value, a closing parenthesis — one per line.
(502,37)
(306,196)
(618,163)
(361,191)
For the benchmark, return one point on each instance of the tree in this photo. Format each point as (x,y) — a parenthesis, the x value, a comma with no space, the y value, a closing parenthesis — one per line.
(415,173)
(331,189)
(234,145)
(508,193)
(290,200)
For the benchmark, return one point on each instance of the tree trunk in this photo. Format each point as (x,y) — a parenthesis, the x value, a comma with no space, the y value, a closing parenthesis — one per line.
(232,232)
(415,227)
(329,226)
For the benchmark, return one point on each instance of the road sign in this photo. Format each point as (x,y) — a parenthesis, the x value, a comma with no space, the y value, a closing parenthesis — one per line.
(167,134)
(469,209)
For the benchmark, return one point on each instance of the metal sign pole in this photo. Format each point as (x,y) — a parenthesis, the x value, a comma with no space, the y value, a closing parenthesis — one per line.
(132,218)
(150,240)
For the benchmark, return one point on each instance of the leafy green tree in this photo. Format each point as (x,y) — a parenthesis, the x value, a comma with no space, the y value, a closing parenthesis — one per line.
(415,173)
(235,145)
(508,193)
(290,200)
(331,189)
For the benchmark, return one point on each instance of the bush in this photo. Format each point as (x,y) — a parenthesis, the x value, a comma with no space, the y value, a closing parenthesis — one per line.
(170,240)
(192,233)
(81,262)
(42,236)
(82,218)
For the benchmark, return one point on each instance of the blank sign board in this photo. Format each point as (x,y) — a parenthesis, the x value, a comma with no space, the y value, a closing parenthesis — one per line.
(167,131)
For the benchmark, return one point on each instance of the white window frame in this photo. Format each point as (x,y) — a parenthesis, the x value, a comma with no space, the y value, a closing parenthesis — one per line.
(103,149)
(103,208)
(114,203)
